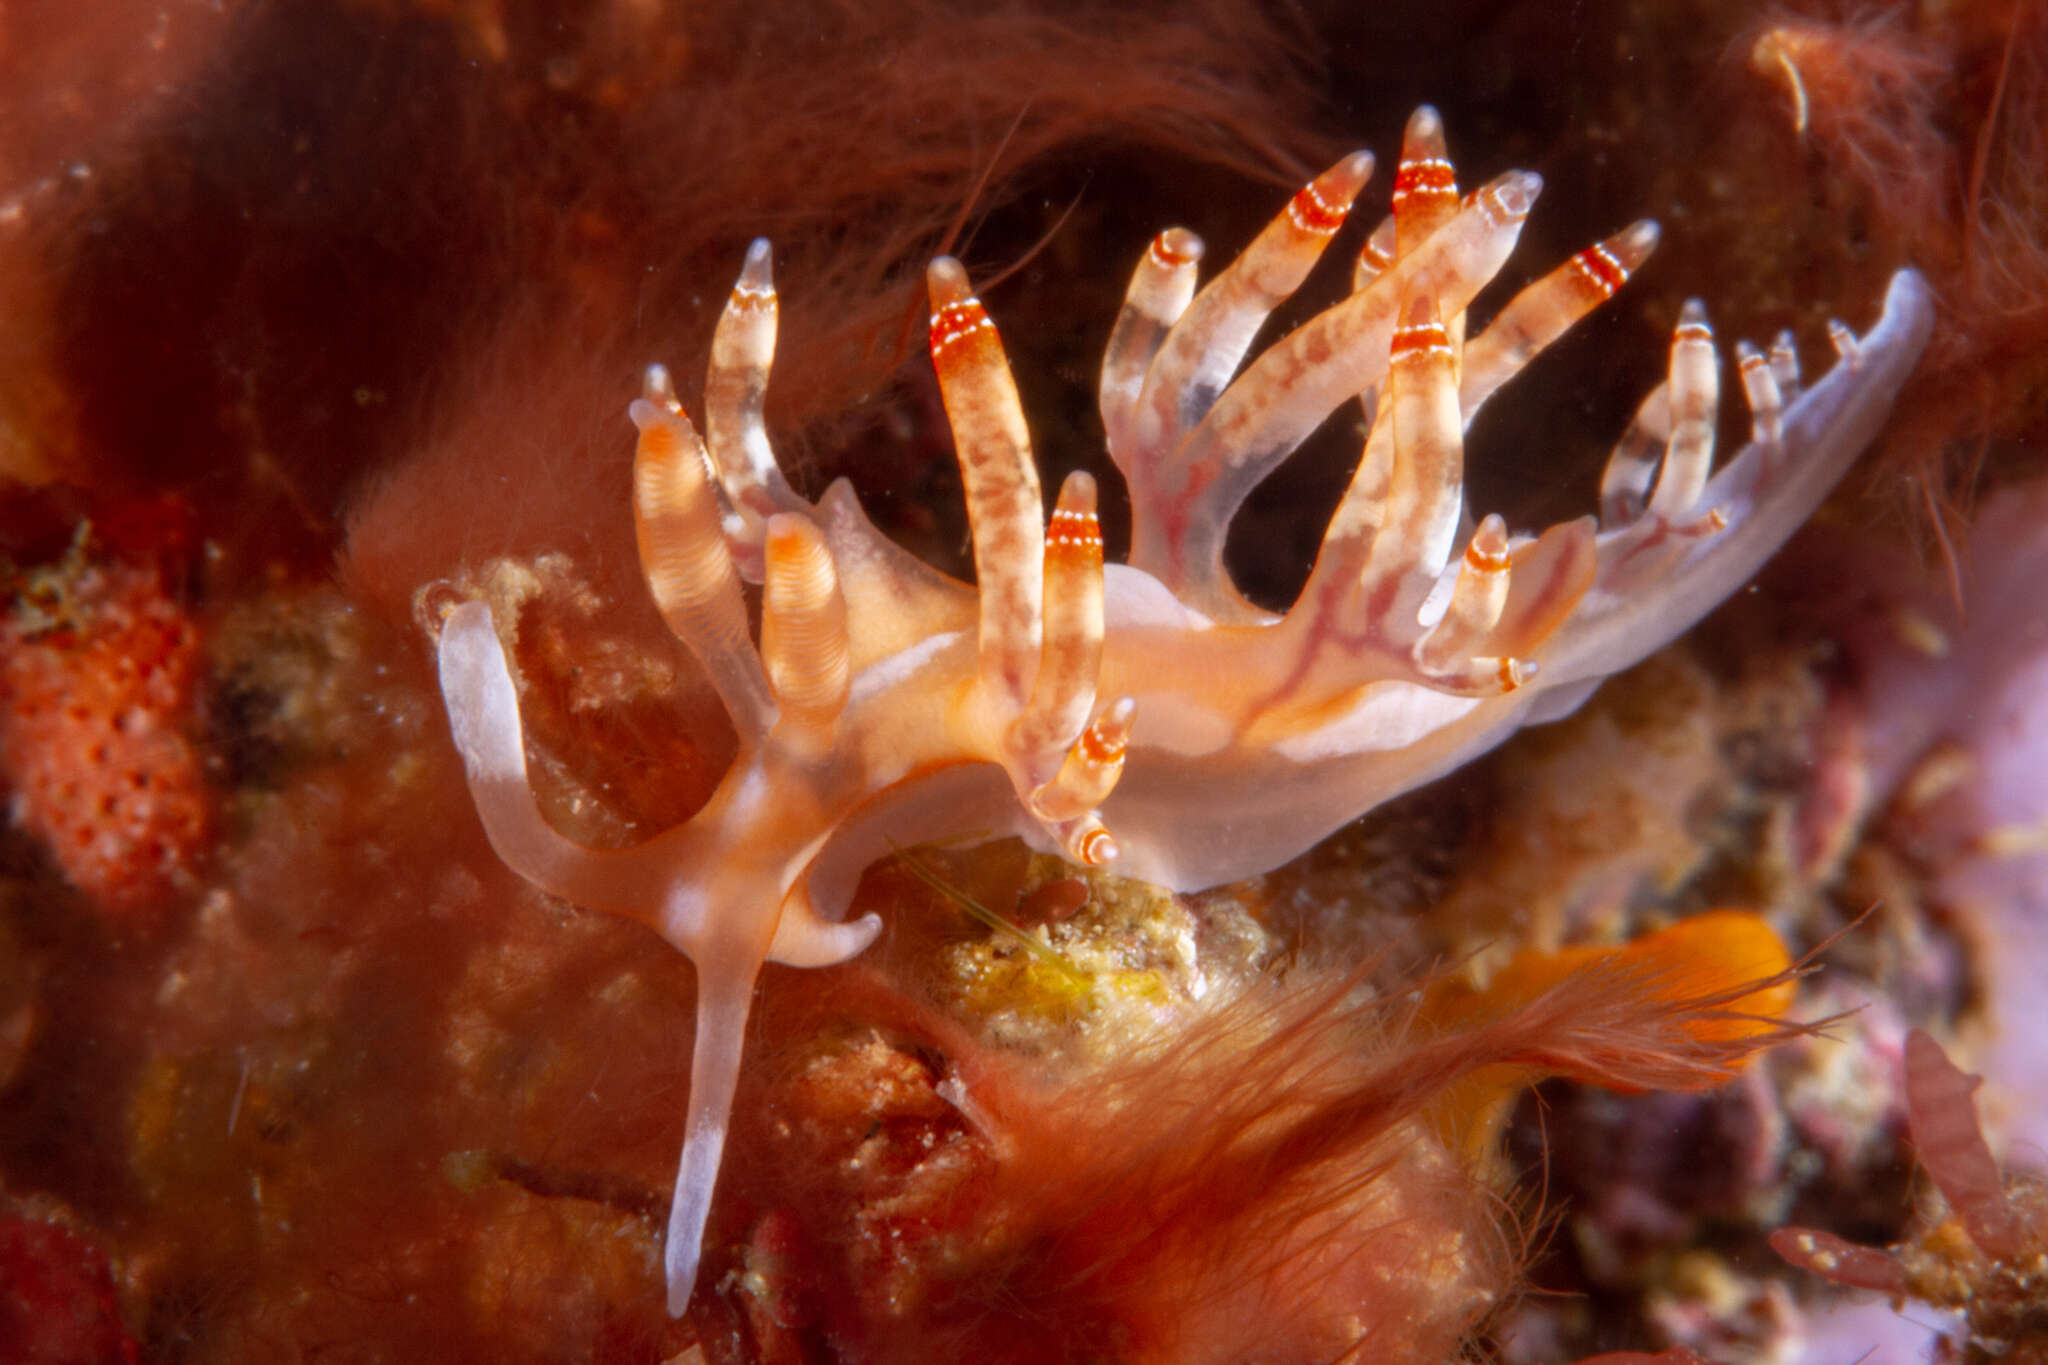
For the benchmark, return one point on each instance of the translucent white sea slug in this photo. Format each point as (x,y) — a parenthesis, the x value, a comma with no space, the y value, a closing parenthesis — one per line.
(1147,712)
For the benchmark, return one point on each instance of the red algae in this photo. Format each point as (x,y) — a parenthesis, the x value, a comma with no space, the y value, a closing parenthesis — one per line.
(1980,1252)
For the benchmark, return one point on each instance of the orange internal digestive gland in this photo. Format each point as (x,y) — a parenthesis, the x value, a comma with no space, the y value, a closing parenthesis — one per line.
(1147,711)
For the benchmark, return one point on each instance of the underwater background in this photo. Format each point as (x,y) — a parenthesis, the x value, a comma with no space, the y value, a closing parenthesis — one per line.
(314,315)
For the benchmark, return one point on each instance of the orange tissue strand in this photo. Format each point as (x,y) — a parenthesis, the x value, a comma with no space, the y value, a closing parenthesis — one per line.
(1727,970)
(1715,988)
(99,669)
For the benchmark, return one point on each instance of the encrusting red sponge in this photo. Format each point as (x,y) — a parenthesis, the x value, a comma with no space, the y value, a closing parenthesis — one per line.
(99,672)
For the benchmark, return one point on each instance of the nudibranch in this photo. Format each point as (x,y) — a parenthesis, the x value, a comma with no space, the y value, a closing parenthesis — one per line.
(1148,713)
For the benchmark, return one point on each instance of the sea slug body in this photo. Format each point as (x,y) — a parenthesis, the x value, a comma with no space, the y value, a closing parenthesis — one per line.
(1147,712)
